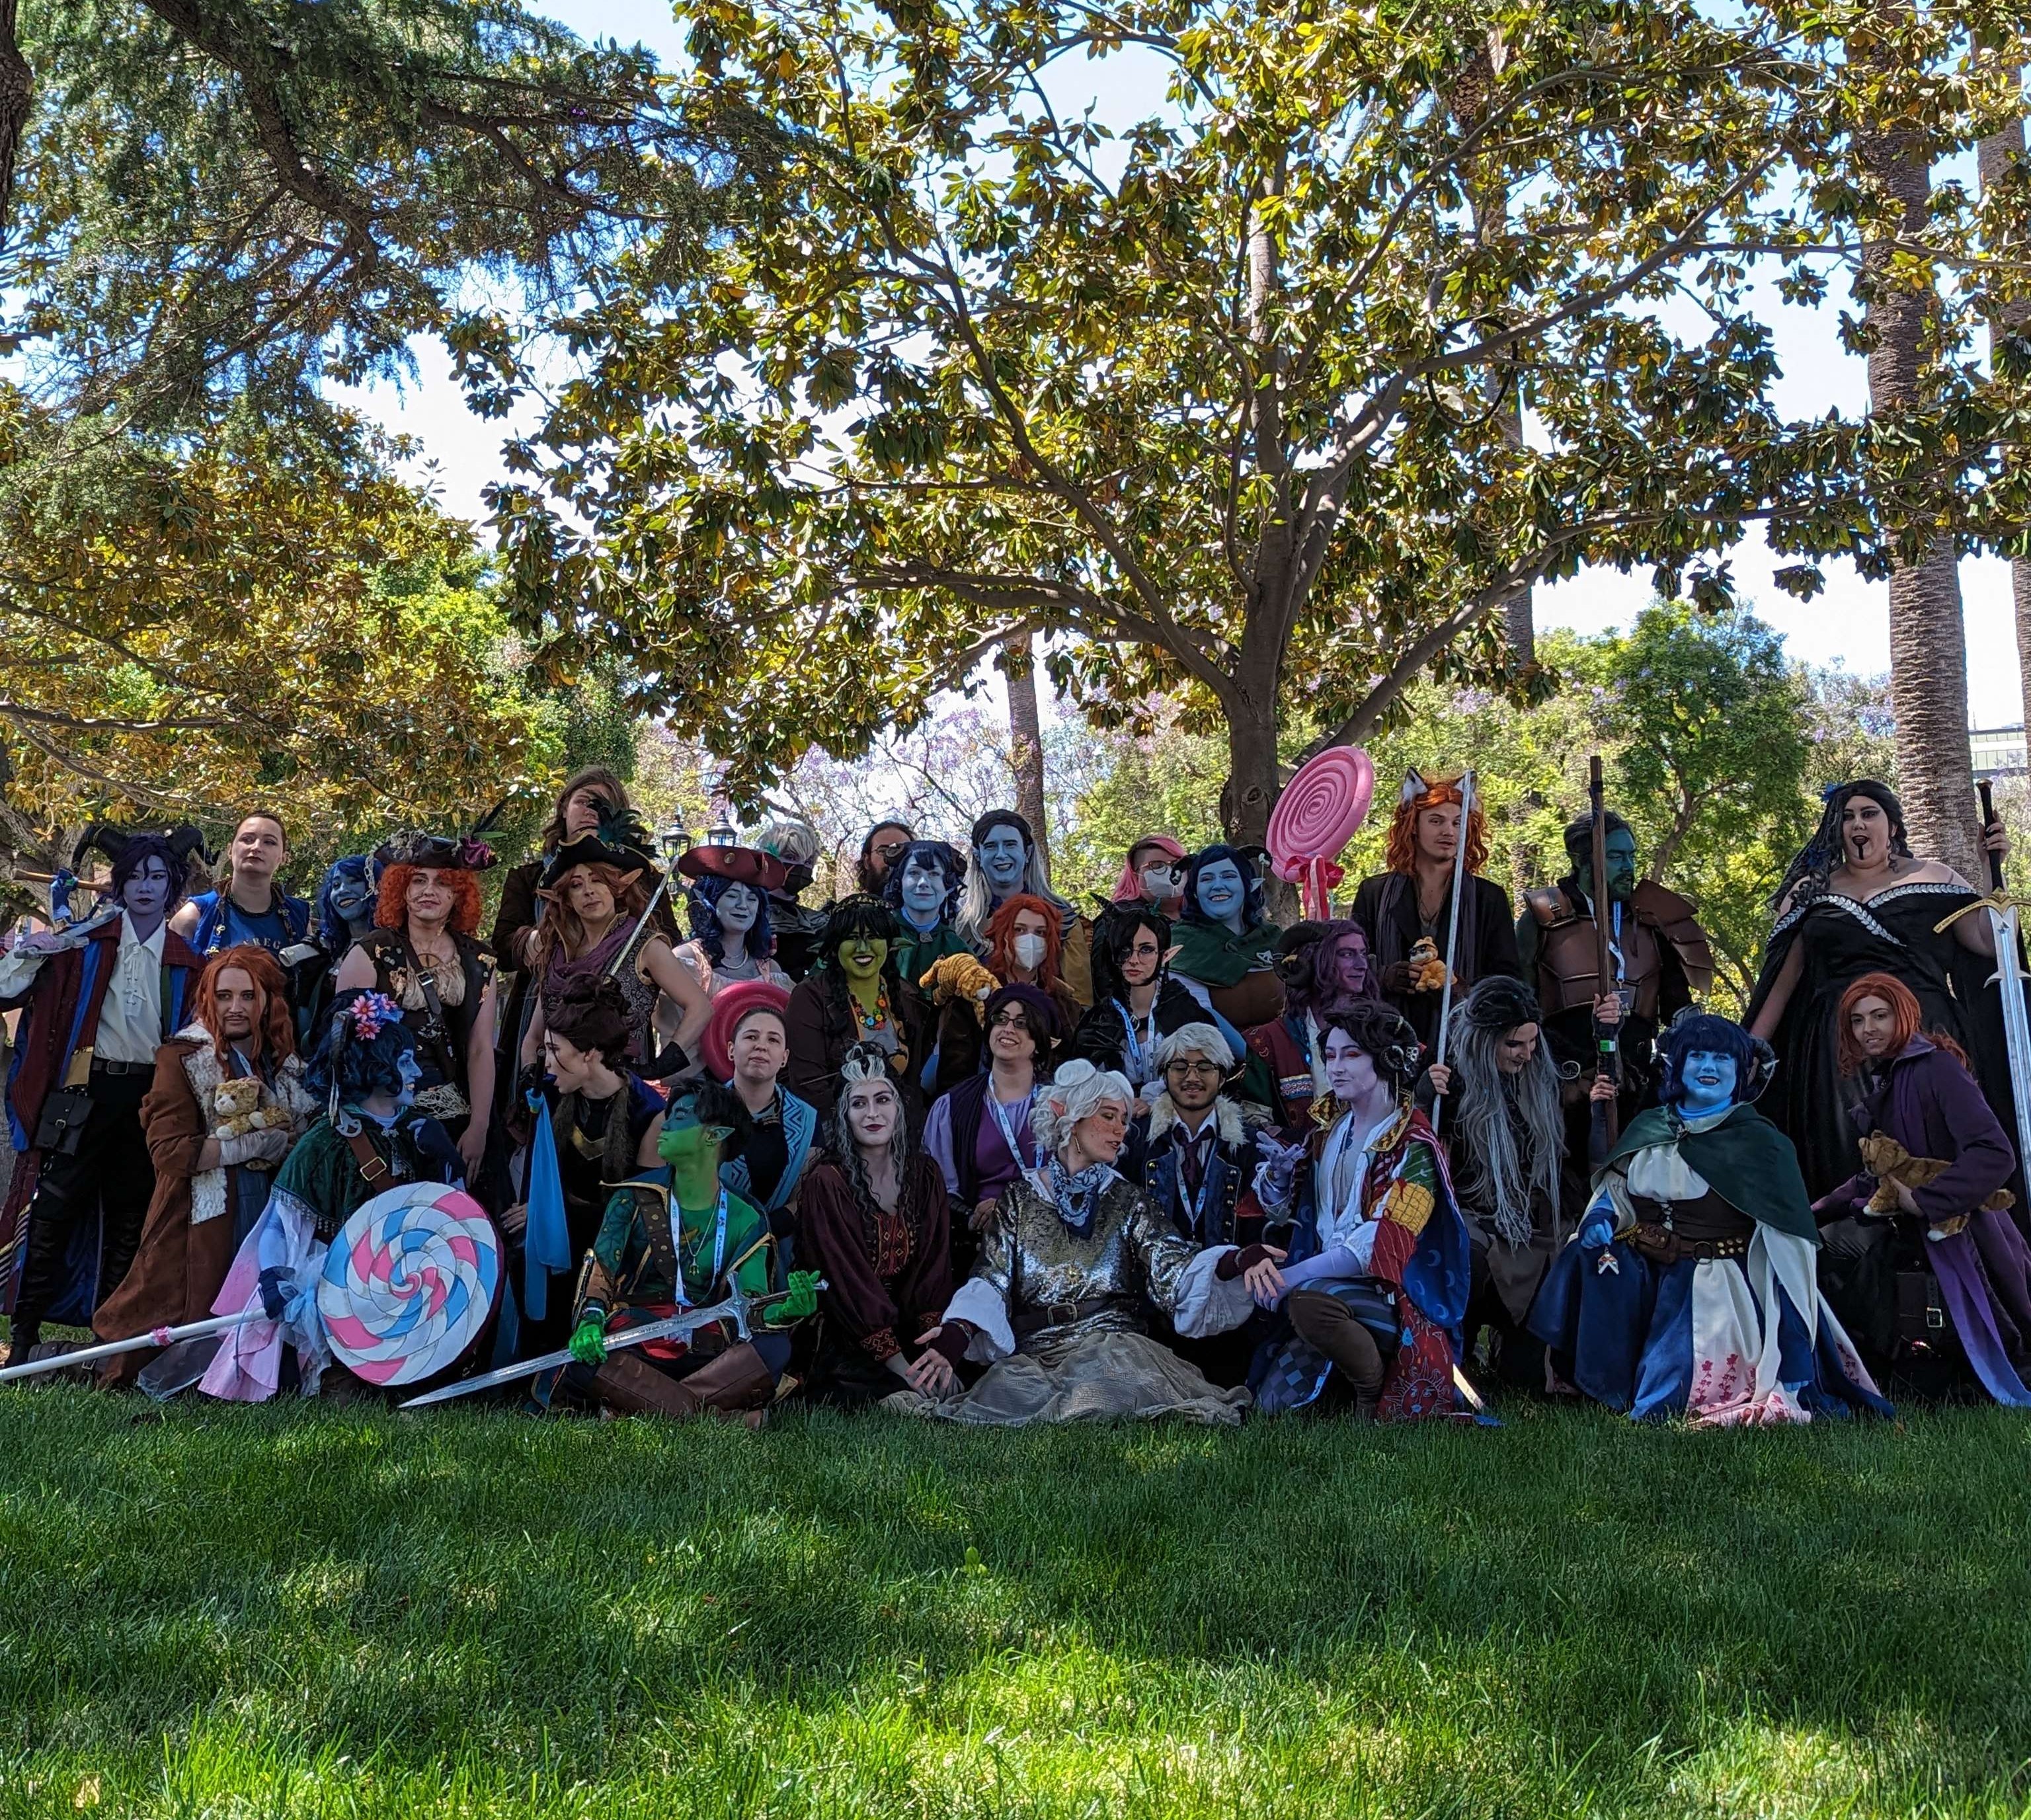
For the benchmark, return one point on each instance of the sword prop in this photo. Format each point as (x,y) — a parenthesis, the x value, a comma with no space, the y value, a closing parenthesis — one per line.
(155,1337)
(737,1307)
(1452,936)
(2009,978)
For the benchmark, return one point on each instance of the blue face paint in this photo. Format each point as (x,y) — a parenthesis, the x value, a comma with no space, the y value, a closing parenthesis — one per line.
(738,907)
(1221,892)
(1706,1083)
(1004,856)
(411,1071)
(146,895)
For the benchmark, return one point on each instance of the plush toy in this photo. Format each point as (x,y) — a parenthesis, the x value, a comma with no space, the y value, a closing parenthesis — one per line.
(1890,1163)
(1428,972)
(237,1109)
(960,977)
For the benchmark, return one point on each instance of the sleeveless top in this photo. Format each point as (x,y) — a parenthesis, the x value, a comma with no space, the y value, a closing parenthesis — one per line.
(442,1034)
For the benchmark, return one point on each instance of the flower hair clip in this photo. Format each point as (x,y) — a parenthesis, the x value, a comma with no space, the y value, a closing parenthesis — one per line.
(370,1013)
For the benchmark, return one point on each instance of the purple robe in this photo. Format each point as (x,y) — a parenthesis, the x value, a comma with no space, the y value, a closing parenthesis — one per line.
(1929,1103)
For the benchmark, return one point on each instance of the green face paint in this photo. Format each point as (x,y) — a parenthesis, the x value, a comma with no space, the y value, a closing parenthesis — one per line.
(862,958)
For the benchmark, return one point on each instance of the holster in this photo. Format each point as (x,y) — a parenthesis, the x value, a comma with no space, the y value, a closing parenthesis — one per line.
(60,1127)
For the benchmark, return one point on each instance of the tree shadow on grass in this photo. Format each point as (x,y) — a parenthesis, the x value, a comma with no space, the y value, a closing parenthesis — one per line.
(1568,1591)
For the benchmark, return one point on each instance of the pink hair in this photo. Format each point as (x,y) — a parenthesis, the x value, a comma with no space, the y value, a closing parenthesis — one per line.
(1128,887)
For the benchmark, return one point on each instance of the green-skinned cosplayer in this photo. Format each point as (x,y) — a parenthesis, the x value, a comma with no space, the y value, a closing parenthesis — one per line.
(674,1233)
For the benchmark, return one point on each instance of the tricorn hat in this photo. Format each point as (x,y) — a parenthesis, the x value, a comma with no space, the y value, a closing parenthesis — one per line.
(747,866)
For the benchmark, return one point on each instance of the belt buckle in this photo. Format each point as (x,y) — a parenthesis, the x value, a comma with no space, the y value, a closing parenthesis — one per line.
(1070,1313)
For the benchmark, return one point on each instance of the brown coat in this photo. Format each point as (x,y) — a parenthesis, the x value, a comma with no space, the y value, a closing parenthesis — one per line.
(180,1266)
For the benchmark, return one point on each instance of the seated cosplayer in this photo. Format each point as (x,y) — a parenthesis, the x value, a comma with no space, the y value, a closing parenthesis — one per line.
(1054,1306)
(1692,1288)
(372,1137)
(874,1223)
(676,1234)
(1379,1270)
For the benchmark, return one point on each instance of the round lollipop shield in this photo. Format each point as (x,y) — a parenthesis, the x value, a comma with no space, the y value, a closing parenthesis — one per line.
(1320,810)
(408,1282)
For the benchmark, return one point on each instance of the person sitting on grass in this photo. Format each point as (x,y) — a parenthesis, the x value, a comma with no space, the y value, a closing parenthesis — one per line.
(676,1234)
(1379,1272)
(873,1222)
(1054,1307)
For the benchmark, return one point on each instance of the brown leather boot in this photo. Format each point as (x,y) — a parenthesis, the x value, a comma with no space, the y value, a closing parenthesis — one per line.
(628,1383)
(736,1380)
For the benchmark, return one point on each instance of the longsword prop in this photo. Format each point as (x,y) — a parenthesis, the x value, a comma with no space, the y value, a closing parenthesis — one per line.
(2010,976)
(155,1337)
(1452,934)
(736,1307)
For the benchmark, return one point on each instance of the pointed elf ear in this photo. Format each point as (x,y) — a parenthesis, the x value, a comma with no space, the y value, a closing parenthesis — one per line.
(1172,953)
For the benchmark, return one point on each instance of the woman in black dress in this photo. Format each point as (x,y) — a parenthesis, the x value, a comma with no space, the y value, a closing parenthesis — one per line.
(1857,901)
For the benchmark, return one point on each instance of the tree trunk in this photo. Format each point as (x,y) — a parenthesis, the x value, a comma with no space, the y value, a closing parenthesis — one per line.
(1928,639)
(1251,792)
(1025,740)
(17,92)
(1993,156)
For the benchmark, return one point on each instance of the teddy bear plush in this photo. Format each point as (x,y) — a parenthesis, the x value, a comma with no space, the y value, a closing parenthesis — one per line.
(237,1109)
(1428,972)
(960,977)
(1890,1163)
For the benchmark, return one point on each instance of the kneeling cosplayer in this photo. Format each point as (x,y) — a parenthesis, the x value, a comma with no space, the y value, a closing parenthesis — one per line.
(1054,1306)
(675,1234)
(1692,1288)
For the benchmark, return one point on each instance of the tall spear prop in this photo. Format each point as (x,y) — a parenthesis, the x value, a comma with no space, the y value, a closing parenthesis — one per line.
(1605,981)
(2009,978)
(1452,930)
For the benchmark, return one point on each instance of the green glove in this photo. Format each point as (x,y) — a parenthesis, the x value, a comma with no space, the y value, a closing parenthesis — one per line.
(801,1300)
(588,1342)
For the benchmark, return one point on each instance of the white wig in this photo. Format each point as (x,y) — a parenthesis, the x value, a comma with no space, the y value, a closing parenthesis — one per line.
(1205,1038)
(794,843)
(1076,1089)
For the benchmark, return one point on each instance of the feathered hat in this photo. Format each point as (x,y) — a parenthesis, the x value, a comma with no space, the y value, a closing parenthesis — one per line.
(441,852)
(620,839)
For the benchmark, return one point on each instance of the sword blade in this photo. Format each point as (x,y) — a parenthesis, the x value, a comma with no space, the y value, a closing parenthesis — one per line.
(2016,1024)
(675,1327)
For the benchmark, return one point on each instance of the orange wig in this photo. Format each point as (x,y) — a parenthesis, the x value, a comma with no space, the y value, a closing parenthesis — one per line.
(271,1000)
(1002,938)
(1903,1007)
(1402,853)
(391,909)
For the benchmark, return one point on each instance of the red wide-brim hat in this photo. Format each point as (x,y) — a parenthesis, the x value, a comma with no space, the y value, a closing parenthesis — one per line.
(728,1010)
(741,865)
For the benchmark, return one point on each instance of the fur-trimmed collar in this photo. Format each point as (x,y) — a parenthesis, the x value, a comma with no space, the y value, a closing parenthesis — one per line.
(1227,1120)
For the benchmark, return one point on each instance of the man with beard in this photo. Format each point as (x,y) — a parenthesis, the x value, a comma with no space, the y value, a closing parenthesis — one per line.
(1325,968)
(1505,1144)
(1661,960)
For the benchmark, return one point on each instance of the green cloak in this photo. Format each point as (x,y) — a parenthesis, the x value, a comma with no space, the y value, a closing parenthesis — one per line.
(1745,1158)
(915,954)
(1213,954)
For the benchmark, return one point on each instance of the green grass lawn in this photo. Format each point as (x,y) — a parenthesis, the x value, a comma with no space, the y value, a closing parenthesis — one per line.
(302,1611)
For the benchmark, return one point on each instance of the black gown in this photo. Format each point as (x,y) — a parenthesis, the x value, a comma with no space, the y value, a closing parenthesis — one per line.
(1893,933)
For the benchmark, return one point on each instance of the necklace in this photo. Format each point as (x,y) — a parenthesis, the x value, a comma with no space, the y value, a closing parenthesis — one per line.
(873,1020)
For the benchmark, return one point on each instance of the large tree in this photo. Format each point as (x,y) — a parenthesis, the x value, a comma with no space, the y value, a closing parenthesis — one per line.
(1230,404)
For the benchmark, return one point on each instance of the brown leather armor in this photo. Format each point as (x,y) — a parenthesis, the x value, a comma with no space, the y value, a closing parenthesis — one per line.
(1567,962)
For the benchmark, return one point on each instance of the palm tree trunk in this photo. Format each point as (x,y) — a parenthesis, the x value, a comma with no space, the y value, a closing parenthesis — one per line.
(1927,638)
(17,92)
(1025,740)
(1993,156)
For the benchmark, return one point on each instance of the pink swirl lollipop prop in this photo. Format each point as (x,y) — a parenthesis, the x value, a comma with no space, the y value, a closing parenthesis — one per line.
(409,1282)
(1319,812)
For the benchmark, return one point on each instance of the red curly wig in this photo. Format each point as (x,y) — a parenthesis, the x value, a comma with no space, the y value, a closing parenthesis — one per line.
(1002,938)
(271,1017)
(1904,1006)
(1402,854)
(391,910)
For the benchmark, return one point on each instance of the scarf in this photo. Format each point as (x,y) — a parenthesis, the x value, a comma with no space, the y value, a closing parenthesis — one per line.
(1077,1196)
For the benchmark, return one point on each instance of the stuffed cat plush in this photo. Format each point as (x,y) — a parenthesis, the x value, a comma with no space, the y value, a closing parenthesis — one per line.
(237,1107)
(960,977)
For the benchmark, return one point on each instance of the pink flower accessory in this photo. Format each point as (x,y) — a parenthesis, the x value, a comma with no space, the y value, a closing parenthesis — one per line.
(370,1012)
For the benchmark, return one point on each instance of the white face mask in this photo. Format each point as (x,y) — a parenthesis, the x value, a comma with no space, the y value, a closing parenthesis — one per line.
(1158,882)
(1029,950)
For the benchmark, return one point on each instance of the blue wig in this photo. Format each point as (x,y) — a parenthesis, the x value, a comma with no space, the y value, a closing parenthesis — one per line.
(1701,1032)
(704,896)
(334,936)
(1251,908)
(361,1051)
(949,861)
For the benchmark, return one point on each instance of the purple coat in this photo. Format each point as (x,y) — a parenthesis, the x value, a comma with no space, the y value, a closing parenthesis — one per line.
(1929,1103)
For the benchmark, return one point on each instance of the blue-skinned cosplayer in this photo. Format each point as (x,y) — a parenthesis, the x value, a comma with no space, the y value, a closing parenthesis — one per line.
(1691,1287)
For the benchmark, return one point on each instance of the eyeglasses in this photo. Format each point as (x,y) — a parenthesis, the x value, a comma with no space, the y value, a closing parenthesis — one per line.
(1009,1020)
(1181,1067)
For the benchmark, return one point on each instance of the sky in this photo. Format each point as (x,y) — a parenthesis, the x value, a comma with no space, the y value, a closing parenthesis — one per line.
(1846,625)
